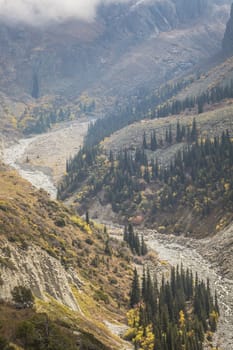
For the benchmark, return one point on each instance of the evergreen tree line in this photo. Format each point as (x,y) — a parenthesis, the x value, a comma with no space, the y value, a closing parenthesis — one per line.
(44,120)
(214,95)
(77,169)
(200,175)
(137,245)
(180,312)
(203,172)
(136,110)
(183,133)
(155,106)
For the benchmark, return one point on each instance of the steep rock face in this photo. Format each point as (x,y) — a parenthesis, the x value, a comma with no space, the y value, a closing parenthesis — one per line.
(36,269)
(76,56)
(227,42)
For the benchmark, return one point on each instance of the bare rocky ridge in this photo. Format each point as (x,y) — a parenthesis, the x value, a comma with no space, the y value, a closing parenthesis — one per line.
(36,269)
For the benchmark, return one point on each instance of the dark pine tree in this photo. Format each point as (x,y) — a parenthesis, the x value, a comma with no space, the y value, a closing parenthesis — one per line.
(135,294)
(35,86)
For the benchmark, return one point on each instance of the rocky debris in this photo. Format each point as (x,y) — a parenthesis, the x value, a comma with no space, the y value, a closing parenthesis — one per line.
(37,270)
(219,250)
(194,254)
(119,330)
(41,159)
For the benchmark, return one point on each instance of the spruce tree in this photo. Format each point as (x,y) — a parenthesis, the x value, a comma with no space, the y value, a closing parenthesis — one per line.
(135,294)
(35,86)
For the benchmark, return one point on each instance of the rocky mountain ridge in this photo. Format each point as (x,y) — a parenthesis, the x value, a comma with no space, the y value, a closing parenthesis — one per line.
(139,37)
(227,43)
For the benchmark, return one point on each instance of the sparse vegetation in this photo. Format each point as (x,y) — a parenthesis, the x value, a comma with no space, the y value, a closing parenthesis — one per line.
(31,220)
(22,297)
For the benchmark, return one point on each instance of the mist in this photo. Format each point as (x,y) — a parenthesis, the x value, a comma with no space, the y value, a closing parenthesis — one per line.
(39,12)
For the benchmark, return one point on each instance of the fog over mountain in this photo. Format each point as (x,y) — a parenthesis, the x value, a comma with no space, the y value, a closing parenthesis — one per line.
(105,48)
(38,12)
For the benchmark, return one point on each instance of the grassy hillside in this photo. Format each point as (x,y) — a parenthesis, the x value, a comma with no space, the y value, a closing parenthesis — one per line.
(95,269)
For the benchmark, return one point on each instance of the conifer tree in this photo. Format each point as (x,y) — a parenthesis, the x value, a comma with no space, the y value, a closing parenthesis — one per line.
(35,86)
(144,142)
(135,290)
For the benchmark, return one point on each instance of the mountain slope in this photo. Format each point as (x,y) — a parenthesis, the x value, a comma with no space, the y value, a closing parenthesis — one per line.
(127,47)
(227,43)
(63,260)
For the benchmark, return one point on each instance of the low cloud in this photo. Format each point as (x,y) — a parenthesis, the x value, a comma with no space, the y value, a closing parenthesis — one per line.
(38,12)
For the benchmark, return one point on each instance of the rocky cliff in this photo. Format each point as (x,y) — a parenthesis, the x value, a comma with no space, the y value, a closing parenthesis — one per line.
(227,42)
(126,45)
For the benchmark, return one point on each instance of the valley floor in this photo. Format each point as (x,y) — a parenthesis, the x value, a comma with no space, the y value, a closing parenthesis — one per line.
(196,255)
(36,157)
(41,159)
(192,254)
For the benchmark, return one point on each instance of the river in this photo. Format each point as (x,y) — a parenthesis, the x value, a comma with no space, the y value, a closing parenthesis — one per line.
(41,159)
(177,250)
(170,248)
(12,156)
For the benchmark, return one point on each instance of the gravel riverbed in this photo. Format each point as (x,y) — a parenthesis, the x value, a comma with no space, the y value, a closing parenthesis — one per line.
(41,160)
(177,250)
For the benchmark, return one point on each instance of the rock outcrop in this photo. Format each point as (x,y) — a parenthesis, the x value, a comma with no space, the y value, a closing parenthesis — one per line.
(39,271)
(227,43)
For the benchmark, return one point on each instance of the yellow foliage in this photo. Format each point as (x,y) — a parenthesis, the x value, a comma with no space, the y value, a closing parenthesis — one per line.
(81,223)
(141,336)
(214,316)
(14,122)
(181,319)
(161,229)
(147,341)
(130,334)
(133,318)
